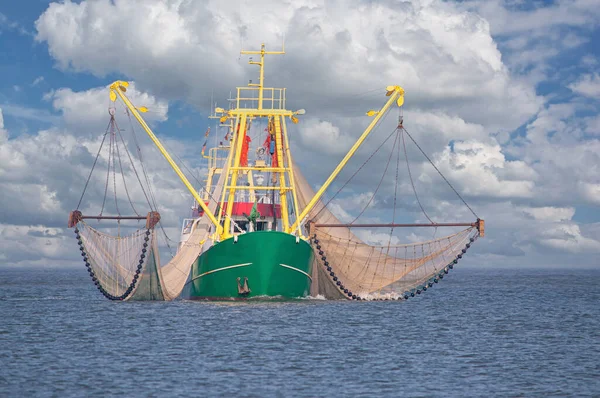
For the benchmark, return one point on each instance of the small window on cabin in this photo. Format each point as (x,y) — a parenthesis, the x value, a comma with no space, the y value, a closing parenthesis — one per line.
(261,226)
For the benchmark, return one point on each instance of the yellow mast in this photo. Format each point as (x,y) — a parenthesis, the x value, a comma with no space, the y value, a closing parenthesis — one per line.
(261,64)
(270,103)
(284,170)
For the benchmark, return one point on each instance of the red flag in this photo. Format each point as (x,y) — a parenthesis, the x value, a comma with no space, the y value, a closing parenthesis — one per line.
(244,154)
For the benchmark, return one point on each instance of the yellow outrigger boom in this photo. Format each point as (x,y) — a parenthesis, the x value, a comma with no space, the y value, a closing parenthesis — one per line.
(396,94)
(119,88)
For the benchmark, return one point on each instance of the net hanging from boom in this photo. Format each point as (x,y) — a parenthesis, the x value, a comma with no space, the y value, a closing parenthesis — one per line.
(346,266)
(126,266)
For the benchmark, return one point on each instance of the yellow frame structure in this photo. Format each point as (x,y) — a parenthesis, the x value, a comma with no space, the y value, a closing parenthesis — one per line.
(243,116)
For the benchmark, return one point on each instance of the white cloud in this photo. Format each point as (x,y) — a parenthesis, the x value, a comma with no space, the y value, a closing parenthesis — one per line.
(509,18)
(593,125)
(38,244)
(459,86)
(569,238)
(588,85)
(28,113)
(590,192)
(443,56)
(3,132)
(37,81)
(536,34)
(324,137)
(589,60)
(86,111)
(558,146)
(7,25)
(550,213)
(478,168)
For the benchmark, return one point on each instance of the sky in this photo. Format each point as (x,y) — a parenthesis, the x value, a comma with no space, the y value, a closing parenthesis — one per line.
(504,96)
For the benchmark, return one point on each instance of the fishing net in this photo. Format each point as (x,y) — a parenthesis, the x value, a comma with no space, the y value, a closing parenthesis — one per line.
(114,263)
(128,267)
(346,266)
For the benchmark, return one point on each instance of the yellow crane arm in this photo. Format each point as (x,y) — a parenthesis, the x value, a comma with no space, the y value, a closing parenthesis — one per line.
(396,93)
(118,88)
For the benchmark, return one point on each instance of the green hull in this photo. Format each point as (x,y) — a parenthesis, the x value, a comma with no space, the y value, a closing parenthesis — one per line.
(274,263)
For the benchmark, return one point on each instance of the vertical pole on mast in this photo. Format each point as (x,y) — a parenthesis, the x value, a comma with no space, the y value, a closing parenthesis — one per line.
(290,170)
(261,64)
(234,175)
(285,222)
(262,76)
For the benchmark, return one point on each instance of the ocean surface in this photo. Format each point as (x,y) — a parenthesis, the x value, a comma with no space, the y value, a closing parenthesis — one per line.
(478,333)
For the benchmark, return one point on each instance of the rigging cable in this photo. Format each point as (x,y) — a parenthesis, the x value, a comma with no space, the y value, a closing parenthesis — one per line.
(150,191)
(133,166)
(107,178)
(122,173)
(411,179)
(139,150)
(93,166)
(114,163)
(382,177)
(355,173)
(387,253)
(440,173)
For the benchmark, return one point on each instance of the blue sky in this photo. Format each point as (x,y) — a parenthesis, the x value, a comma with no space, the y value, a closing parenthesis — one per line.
(504,95)
(33,73)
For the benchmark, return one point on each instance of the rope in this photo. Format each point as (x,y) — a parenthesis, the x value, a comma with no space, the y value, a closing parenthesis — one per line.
(113,145)
(355,173)
(395,191)
(93,166)
(123,174)
(107,177)
(440,173)
(380,181)
(150,191)
(133,166)
(387,254)
(411,179)
(139,150)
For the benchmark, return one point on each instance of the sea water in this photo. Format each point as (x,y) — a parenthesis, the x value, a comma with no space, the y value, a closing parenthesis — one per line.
(484,332)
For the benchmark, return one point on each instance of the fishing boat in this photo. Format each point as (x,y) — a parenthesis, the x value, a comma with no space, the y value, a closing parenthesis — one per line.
(258,229)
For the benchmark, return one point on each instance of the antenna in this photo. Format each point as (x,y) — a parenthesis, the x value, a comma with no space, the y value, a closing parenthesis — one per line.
(261,65)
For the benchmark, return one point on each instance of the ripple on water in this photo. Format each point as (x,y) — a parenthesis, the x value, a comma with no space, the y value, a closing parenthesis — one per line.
(478,333)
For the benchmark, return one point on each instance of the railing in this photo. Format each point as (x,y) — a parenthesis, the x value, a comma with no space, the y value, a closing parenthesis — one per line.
(186,226)
(247,97)
(213,158)
(266,198)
